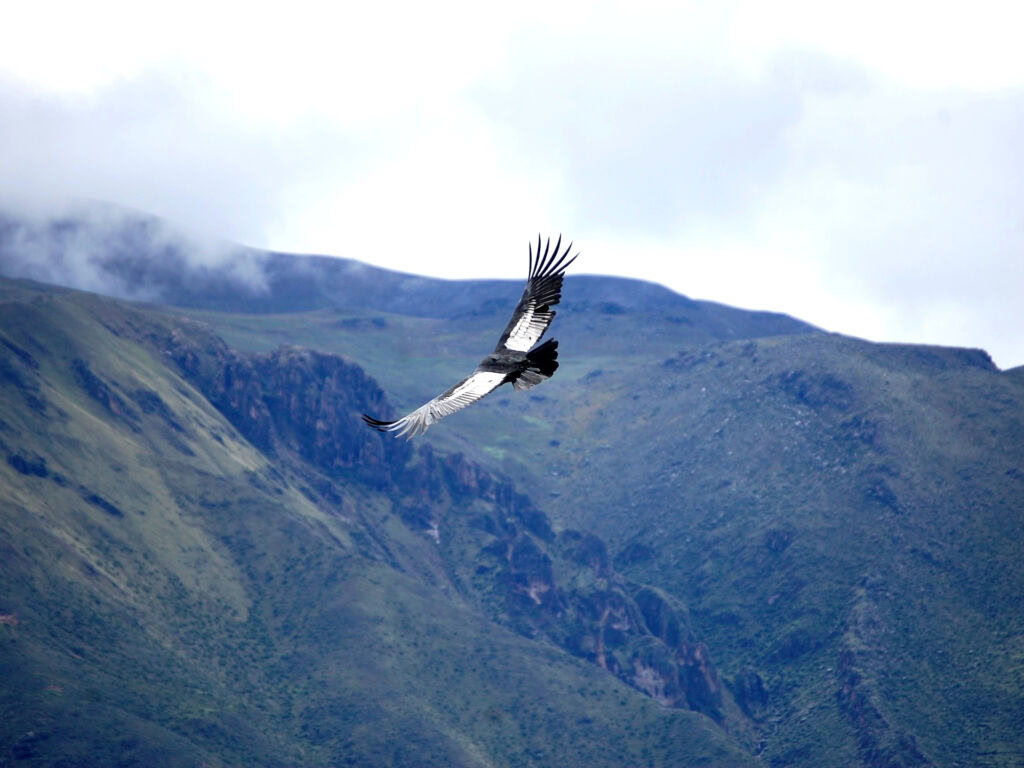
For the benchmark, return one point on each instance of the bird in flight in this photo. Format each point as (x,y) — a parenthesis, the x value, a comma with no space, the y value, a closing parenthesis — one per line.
(515,360)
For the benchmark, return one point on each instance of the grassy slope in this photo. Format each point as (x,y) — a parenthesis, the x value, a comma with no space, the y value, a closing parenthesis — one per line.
(842,518)
(169,597)
(826,496)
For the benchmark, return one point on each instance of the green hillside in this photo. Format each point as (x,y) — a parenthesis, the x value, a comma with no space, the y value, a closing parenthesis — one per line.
(842,519)
(181,590)
(715,537)
(845,521)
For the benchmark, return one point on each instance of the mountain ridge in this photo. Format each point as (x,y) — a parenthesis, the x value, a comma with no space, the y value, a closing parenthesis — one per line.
(329,489)
(793,548)
(139,257)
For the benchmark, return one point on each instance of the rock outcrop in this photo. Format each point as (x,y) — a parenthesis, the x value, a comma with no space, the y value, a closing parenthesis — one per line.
(306,405)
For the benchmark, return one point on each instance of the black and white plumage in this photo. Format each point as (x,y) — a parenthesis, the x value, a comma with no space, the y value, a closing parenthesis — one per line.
(514,360)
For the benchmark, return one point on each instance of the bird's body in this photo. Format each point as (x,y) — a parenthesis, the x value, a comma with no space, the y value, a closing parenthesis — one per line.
(515,360)
(502,362)
(512,363)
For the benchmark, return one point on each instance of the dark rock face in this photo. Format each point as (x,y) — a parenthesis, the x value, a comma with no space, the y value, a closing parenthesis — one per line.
(294,401)
(100,391)
(586,549)
(564,587)
(633,554)
(749,690)
(151,403)
(817,390)
(29,464)
(880,745)
(305,405)
(24,356)
(19,368)
(313,402)
(98,501)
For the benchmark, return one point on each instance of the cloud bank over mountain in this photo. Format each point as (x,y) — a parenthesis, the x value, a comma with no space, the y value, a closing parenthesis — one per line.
(859,169)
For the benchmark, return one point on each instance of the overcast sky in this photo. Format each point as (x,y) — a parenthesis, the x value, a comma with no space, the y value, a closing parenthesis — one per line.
(859,166)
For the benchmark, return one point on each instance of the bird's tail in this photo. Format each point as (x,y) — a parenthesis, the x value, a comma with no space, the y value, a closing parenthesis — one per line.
(542,363)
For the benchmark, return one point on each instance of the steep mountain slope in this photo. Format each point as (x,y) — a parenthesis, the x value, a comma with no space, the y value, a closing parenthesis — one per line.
(207,558)
(417,335)
(842,519)
(778,541)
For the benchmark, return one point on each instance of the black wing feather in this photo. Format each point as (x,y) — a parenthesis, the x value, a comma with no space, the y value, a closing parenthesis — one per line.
(533,314)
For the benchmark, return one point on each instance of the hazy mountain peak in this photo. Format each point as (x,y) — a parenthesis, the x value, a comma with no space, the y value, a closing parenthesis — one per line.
(126,254)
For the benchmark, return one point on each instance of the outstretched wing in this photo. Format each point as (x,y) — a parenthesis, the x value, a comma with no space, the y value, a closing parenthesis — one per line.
(543,290)
(466,392)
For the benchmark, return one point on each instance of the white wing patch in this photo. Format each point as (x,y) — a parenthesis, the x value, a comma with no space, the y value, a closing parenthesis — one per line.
(466,392)
(528,328)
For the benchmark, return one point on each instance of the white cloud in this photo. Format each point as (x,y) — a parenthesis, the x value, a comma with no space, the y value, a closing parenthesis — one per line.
(932,45)
(856,165)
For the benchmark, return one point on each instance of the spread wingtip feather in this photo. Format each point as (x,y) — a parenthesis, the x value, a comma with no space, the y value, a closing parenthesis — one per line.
(549,263)
(380,426)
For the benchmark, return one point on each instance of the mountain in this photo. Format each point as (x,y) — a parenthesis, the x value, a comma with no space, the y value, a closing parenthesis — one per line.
(133,256)
(209,559)
(716,537)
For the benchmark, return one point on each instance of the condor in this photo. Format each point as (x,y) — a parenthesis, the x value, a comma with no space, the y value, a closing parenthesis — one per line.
(515,360)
